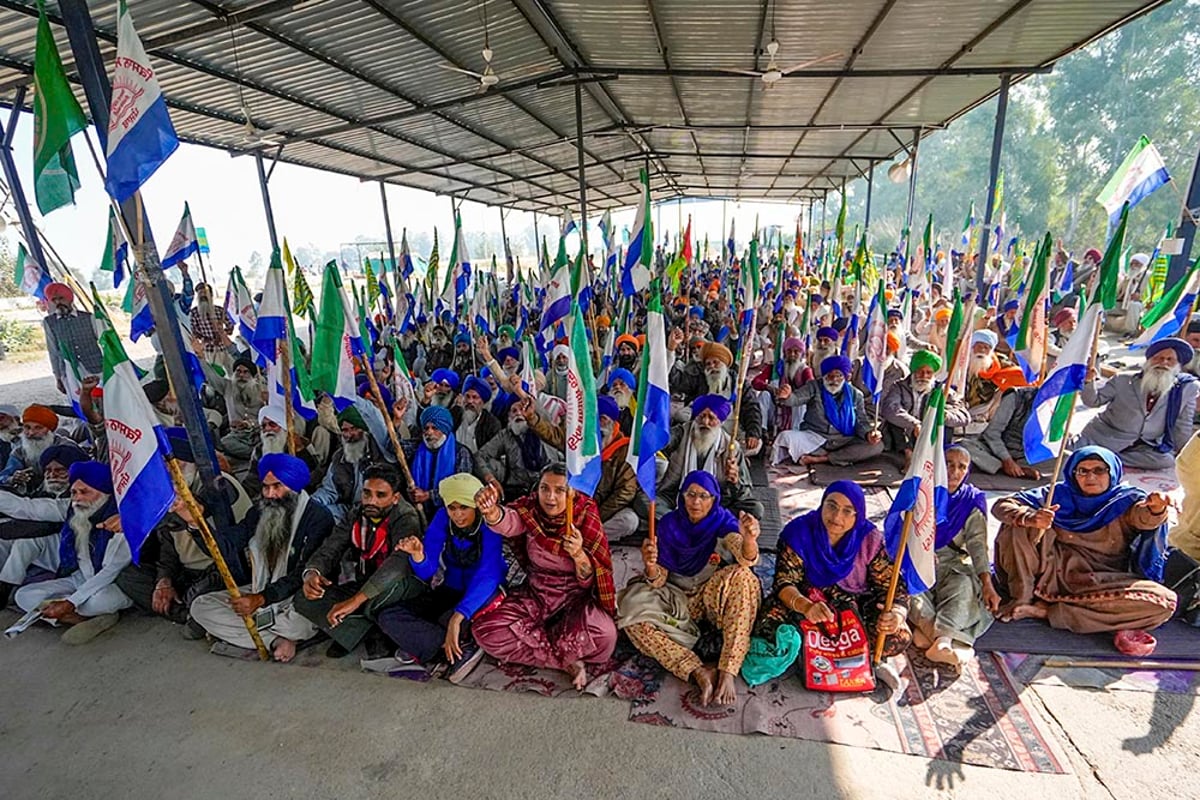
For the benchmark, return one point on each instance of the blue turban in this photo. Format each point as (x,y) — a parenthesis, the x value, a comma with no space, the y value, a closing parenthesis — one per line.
(288,470)
(827,333)
(439,417)
(1012,305)
(94,473)
(461,338)
(1183,350)
(840,363)
(479,386)
(718,405)
(364,391)
(697,312)
(68,455)
(895,312)
(984,337)
(624,375)
(181,446)
(508,352)
(607,407)
(446,376)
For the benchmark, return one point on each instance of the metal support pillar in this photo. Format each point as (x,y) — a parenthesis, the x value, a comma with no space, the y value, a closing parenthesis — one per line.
(1187,229)
(870,191)
(508,259)
(266,198)
(391,243)
(82,34)
(993,176)
(13,178)
(582,178)
(912,181)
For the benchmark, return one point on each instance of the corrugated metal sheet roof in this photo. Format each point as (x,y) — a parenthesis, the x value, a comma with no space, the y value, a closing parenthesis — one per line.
(359,86)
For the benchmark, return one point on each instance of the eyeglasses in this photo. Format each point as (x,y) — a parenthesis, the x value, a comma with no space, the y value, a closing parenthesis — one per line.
(1095,472)
(698,496)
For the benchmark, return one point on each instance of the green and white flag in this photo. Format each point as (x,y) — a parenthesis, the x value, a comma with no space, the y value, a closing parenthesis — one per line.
(56,118)
(583,423)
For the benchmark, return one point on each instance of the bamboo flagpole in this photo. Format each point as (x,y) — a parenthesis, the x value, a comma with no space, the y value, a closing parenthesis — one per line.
(284,356)
(743,367)
(189,500)
(377,396)
(895,582)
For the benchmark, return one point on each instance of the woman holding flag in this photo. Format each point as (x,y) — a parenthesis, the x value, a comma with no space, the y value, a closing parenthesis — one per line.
(1084,554)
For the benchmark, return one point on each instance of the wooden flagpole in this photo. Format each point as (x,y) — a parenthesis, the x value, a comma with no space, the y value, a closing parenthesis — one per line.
(189,500)
(743,366)
(895,582)
(387,419)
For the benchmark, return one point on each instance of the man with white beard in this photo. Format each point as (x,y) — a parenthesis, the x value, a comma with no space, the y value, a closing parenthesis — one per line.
(210,325)
(22,472)
(622,388)
(903,405)
(272,438)
(826,346)
(477,426)
(834,409)
(10,430)
(433,457)
(342,484)
(286,531)
(704,444)
(1192,335)
(556,378)
(441,388)
(720,379)
(91,552)
(244,395)
(988,375)
(30,526)
(513,461)
(1148,416)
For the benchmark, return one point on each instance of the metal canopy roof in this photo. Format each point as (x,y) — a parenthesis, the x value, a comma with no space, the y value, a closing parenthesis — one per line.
(355,86)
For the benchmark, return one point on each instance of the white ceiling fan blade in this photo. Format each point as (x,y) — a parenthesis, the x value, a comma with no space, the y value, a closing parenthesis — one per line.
(811,63)
(453,68)
(749,72)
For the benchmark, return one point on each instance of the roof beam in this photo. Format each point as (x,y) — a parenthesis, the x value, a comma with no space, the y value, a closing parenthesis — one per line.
(413,31)
(543,22)
(628,71)
(359,74)
(666,58)
(762,28)
(223,19)
(812,156)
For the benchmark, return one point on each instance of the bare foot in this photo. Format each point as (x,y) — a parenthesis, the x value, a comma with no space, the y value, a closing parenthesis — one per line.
(726,691)
(703,676)
(284,650)
(1031,473)
(813,459)
(1034,610)
(578,673)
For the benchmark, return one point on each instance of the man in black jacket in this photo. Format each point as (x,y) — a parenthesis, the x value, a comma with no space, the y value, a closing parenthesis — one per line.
(368,538)
(287,529)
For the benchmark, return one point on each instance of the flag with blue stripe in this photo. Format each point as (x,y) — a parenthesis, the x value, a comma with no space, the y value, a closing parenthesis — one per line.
(652,426)
(184,243)
(639,255)
(1047,423)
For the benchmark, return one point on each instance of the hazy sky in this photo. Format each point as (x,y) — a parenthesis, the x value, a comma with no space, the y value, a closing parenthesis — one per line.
(312,207)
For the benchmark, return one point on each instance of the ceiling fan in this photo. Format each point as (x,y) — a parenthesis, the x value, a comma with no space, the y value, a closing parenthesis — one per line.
(773,73)
(254,136)
(488,78)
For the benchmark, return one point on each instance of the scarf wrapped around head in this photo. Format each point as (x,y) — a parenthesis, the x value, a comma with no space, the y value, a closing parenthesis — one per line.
(684,547)
(962,502)
(430,467)
(549,531)
(447,376)
(288,470)
(824,564)
(1080,513)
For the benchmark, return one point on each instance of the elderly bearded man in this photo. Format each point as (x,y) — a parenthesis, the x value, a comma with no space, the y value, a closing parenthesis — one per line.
(22,473)
(91,552)
(1148,416)
(287,529)
(435,456)
(834,409)
(903,405)
(342,484)
(244,395)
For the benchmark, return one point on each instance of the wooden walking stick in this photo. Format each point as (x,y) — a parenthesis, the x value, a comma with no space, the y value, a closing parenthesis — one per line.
(743,367)
(895,582)
(387,419)
(189,500)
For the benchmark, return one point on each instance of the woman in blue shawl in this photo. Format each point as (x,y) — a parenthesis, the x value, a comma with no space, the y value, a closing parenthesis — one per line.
(1088,563)
(697,569)
(830,559)
(955,611)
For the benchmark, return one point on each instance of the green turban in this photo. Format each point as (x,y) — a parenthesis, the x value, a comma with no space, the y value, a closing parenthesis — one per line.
(351,415)
(924,358)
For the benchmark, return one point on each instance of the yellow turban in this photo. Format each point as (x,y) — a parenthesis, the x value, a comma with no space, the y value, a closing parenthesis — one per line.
(460,488)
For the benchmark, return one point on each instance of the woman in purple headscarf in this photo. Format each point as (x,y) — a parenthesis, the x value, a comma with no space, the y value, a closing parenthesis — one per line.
(697,570)
(830,559)
(949,617)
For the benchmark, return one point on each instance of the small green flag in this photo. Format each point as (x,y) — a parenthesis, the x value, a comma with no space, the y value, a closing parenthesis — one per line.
(56,118)
(1110,266)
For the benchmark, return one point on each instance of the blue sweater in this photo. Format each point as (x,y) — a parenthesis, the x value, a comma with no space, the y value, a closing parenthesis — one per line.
(477,581)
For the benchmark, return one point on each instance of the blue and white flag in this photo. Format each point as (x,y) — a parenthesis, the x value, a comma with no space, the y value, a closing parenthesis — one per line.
(652,426)
(271,323)
(184,243)
(582,422)
(458,276)
(406,260)
(1172,317)
(924,493)
(30,276)
(137,304)
(1052,406)
(140,134)
(876,354)
(1142,171)
(239,305)
(558,292)
(136,442)
(639,256)
(568,223)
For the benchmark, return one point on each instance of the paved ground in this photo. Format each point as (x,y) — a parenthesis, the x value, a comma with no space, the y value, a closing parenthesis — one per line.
(140,713)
